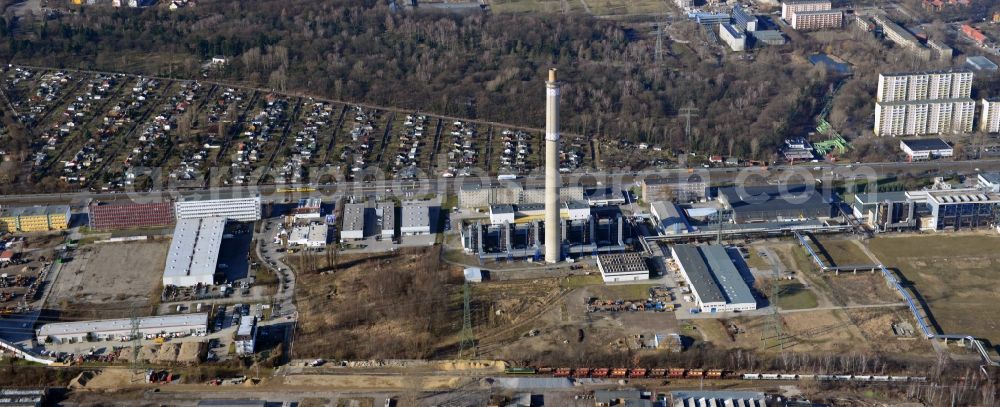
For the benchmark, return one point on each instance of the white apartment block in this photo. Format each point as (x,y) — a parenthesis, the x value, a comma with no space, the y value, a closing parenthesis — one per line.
(736,40)
(237,209)
(684,4)
(990,120)
(935,85)
(913,118)
(817,20)
(790,7)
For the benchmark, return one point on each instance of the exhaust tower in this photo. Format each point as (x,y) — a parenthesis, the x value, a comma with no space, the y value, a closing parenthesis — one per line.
(553,242)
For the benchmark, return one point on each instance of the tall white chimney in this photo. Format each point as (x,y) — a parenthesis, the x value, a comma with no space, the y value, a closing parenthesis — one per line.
(553,243)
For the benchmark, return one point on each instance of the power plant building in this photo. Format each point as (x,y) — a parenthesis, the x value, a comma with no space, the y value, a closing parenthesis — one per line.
(775,203)
(194,252)
(655,188)
(885,211)
(715,282)
(476,195)
(237,209)
(517,231)
(669,220)
(956,209)
(126,215)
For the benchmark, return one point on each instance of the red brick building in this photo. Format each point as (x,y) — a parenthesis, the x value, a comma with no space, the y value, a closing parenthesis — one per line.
(116,215)
(974,34)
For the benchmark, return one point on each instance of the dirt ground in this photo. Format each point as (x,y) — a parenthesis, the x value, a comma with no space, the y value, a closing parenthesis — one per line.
(810,331)
(373,306)
(862,288)
(567,331)
(114,276)
(956,274)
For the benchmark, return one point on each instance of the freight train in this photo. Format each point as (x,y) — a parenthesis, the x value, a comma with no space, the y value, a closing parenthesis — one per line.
(712,374)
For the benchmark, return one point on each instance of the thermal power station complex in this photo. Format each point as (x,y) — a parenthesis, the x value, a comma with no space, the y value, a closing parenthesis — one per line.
(563,224)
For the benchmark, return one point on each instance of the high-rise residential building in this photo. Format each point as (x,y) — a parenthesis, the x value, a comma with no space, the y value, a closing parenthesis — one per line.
(919,117)
(817,20)
(989,122)
(790,7)
(930,85)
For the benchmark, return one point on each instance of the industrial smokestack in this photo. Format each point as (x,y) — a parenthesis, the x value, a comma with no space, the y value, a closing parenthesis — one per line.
(553,243)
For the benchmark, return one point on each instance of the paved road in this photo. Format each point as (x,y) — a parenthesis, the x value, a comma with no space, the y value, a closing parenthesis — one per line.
(892,305)
(784,173)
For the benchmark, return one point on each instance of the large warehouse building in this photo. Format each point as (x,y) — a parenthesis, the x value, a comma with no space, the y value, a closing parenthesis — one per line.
(194,252)
(238,209)
(775,203)
(715,283)
(126,215)
(116,329)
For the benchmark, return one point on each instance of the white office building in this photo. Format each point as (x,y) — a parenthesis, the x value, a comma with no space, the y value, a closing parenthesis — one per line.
(237,209)
(194,252)
(416,218)
(353,227)
(313,235)
(385,218)
(118,329)
(733,37)
(246,335)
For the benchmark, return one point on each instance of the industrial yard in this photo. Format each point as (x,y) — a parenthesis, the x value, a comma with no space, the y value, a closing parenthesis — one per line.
(107,280)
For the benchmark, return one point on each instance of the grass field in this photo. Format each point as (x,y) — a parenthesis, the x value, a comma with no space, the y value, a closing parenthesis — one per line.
(844,252)
(955,274)
(793,295)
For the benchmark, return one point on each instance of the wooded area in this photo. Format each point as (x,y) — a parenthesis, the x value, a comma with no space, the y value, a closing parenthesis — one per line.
(465,65)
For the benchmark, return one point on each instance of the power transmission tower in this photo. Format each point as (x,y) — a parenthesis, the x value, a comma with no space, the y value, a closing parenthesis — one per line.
(688,112)
(775,318)
(468,339)
(136,343)
(659,42)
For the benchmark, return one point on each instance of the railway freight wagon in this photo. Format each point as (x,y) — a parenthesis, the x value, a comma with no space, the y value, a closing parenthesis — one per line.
(708,374)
